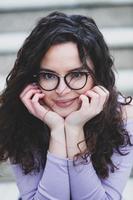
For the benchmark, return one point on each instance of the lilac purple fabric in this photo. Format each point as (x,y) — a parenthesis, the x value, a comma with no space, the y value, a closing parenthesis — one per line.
(60,178)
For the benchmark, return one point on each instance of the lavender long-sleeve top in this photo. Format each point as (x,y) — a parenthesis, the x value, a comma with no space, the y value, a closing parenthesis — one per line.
(60,179)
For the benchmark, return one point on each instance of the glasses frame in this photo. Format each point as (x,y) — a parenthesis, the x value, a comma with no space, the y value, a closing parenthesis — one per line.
(36,76)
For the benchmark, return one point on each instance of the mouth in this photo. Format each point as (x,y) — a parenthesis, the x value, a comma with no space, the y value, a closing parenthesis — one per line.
(65,103)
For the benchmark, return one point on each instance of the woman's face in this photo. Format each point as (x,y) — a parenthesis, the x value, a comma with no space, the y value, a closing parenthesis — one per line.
(62,58)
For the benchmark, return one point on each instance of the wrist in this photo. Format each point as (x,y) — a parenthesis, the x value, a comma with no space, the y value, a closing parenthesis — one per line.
(75,141)
(57,148)
(73,124)
(73,130)
(57,144)
(58,130)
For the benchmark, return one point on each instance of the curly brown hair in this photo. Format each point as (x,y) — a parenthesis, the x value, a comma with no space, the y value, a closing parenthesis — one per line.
(23,137)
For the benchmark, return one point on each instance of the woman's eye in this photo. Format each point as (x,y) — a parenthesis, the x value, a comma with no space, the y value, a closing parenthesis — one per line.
(49,76)
(76,74)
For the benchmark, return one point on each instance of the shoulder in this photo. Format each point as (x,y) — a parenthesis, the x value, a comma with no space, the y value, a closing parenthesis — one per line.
(127,111)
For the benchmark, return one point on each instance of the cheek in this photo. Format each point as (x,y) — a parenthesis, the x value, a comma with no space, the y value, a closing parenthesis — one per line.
(48,98)
(89,85)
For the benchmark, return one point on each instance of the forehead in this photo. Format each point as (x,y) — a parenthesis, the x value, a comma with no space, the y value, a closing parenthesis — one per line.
(62,57)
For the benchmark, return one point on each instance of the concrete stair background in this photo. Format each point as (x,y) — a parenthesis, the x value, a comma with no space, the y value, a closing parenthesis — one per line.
(114,18)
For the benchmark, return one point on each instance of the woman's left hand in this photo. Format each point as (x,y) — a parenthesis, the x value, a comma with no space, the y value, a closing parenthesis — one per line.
(92,104)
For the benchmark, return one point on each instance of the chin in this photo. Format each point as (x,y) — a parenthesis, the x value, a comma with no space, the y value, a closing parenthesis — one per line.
(64,112)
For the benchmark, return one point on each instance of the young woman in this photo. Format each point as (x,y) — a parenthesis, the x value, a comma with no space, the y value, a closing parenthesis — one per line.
(64,126)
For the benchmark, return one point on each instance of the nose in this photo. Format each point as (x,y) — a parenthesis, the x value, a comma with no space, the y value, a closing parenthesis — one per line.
(62,87)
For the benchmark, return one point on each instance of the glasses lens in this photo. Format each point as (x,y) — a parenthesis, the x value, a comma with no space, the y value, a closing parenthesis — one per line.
(48,81)
(76,80)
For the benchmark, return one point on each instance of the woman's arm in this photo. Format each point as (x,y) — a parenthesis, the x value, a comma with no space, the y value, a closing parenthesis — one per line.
(73,137)
(84,182)
(51,183)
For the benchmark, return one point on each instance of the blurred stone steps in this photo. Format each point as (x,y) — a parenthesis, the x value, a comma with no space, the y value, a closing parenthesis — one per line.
(21,15)
(6,172)
(116,38)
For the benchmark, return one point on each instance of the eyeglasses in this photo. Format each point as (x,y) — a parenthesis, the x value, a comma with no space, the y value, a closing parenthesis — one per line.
(48,81)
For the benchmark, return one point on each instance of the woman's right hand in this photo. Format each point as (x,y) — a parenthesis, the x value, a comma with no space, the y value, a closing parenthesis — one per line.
(31,96)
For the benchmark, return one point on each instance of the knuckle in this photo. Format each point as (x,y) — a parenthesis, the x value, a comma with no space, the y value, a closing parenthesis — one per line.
(23,100)
(98,110)
(104,95)
(98,86)
(34,100)
(108,93)
(96,96)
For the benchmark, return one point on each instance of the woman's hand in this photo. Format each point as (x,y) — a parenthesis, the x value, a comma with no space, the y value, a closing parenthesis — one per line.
(31,96)
(92,104)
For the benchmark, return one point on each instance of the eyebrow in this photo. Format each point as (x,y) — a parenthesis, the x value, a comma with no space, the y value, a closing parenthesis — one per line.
(75,69)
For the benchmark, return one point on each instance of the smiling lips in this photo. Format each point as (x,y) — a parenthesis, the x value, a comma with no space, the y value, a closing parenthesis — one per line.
(64,103)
